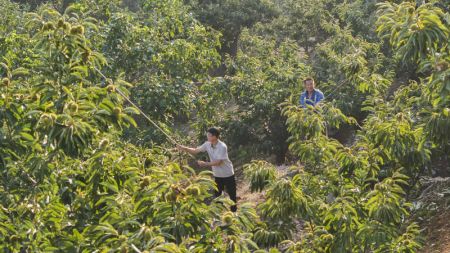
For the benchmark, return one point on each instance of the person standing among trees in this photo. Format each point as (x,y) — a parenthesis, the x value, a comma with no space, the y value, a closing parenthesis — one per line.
(221,165)
(311,95)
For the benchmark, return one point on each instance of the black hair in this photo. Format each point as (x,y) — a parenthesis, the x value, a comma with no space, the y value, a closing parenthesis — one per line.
(309,79)
(214,131)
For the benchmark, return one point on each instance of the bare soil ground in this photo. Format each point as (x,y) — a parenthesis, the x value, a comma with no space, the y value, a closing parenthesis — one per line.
(438,234)
(243,189)
(436,224)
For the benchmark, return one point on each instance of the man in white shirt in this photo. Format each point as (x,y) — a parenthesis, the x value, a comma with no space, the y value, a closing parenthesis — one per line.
(221,165)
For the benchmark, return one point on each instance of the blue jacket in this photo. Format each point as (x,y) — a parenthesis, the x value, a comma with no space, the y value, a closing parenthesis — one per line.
(316,97)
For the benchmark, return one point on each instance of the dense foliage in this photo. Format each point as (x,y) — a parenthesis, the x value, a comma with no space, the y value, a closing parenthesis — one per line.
(82,171)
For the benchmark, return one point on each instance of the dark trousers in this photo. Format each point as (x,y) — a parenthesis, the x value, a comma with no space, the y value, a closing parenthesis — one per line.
(229,185)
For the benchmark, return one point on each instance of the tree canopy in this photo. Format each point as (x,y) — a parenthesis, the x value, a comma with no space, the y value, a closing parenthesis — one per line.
(82,171)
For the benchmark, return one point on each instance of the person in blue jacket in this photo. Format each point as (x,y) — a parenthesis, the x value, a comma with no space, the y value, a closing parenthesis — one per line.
(311,95)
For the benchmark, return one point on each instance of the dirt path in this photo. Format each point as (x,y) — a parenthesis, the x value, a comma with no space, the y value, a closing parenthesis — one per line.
(244,194)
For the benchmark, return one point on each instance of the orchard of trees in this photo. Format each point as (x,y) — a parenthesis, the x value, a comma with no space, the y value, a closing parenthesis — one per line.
(82,170)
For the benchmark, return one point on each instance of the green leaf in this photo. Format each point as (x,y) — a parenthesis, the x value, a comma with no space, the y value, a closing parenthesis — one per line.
(27,136)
